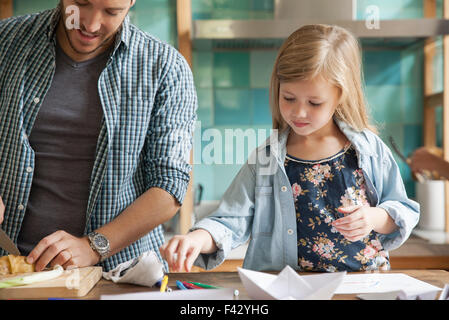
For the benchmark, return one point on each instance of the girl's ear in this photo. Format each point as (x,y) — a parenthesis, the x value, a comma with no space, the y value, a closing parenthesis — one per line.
(340,95)
(340,98)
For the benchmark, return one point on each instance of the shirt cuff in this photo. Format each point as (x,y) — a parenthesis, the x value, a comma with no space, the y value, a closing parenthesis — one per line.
(222,238)
(404,218)
(176,187)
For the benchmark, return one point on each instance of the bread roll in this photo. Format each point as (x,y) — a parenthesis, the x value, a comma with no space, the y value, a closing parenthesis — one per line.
(14,264)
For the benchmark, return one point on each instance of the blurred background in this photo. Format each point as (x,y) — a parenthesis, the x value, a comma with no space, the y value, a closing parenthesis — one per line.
(232,83)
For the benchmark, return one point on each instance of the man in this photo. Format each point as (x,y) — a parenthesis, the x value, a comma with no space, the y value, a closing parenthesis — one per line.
(96,126)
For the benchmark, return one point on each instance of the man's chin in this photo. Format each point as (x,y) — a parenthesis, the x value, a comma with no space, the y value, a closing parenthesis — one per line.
(85,49)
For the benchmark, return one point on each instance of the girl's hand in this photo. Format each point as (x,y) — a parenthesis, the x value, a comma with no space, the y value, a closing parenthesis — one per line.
(187,248)
(361,220)
(64,249)
(357,223)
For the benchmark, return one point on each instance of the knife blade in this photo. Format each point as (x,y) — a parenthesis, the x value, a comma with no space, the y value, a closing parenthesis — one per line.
(7,244)
(421,177)
(398,152)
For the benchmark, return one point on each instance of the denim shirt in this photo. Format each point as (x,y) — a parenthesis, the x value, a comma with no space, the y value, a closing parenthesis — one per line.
(259,206)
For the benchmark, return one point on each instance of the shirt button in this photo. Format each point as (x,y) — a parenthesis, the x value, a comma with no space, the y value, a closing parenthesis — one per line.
(29,169)
(20,207)
(290,232)
(36,100)
(284,188)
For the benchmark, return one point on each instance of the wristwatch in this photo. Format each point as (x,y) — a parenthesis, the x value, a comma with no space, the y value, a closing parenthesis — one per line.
(100,244)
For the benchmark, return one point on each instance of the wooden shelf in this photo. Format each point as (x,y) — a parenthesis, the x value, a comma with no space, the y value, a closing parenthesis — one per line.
(415,253)
(6,9)
(184,26)
(433,100)
(396,262)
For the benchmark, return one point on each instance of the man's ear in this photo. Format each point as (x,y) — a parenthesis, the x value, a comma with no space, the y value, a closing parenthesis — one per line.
(133,2)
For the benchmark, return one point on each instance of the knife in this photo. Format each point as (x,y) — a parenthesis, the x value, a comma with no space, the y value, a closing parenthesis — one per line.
(7,244)
(418,175)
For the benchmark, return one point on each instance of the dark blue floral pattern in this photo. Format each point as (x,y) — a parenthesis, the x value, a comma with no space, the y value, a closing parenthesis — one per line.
(319,189)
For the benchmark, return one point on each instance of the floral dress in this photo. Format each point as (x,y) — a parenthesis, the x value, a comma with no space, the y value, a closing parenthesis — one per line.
(319,189)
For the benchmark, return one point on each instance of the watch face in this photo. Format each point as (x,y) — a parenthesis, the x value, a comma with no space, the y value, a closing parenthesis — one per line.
(101,241)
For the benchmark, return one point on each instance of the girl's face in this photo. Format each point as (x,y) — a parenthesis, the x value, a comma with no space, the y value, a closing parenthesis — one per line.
(308,106)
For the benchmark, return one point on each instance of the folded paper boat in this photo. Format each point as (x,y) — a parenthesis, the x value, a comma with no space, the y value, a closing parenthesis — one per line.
(289,285)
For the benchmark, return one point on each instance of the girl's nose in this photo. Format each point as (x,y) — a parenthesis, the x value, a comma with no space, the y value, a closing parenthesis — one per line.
(300,111)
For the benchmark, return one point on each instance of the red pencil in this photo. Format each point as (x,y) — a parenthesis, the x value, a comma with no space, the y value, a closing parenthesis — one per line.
(190,285)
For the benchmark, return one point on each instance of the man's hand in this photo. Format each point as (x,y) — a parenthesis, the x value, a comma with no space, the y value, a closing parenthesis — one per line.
(63,249)
(424,160)
(2,210)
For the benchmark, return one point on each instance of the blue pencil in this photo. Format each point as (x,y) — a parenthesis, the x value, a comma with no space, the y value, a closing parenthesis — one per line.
(180,285)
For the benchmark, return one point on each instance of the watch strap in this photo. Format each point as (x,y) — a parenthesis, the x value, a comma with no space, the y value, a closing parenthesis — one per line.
(102,252)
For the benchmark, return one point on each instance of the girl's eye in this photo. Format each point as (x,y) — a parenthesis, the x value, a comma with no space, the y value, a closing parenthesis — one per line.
(315,104)
(289,99)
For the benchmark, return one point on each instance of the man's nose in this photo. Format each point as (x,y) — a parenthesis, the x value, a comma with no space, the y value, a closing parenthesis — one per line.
(92,22)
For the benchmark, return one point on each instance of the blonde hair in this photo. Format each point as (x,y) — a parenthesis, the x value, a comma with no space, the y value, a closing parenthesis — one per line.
(328,51)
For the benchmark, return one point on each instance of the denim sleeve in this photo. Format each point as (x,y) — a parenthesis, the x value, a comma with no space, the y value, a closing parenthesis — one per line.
(394,199)
(230,225)
(170,131)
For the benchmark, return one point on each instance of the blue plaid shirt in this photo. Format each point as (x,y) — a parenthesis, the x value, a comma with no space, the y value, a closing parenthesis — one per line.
(149,105)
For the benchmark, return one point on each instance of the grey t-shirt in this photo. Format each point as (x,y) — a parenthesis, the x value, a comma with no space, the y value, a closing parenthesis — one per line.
(64,138)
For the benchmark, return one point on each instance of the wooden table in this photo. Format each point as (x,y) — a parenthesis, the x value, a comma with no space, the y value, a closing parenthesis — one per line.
(231,280)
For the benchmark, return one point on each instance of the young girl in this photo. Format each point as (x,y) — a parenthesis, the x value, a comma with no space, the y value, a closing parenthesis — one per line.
(336,200)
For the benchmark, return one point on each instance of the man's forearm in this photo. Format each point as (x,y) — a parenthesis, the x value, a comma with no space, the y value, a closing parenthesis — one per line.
(151,209)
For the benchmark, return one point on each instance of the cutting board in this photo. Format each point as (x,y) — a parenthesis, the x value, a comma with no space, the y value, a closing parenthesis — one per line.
(71,284)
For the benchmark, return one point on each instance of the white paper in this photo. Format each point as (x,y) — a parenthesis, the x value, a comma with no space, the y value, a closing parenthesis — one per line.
(397,295)
(391,295)
(445,294)
(289,285)
(191,294)
(384,282)
(145,270)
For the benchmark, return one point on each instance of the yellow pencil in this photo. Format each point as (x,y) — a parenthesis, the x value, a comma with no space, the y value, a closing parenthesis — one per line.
(164,283)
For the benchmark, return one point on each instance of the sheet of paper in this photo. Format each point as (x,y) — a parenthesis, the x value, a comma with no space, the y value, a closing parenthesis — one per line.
(289,285)
(391,295)
(193,294)
(384,282)
(397,295)
(445,294)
